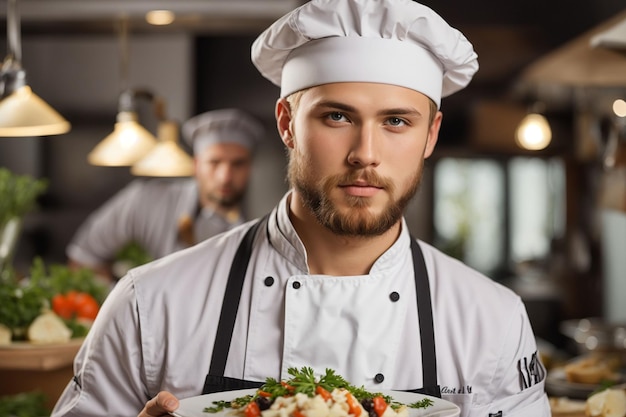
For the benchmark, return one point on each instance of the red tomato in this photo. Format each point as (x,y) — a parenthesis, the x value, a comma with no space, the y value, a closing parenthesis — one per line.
(252,410)
(62,306)
(85,306)
(71,296)
(380,405)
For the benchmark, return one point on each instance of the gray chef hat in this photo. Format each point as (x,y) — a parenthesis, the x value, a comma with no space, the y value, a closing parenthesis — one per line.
(397,42)
(221,126)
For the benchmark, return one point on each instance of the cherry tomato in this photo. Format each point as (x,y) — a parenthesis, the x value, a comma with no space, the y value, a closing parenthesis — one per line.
(71,296)
(85,306)
(252,410)
(62,306)
(380,405)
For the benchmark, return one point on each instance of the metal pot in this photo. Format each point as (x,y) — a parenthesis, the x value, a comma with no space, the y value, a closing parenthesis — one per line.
(596,335)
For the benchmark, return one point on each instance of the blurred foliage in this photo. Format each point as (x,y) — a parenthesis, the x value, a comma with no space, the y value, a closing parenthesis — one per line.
(18,194)
(20,304)
(26,404)
(134,254)
(59,279)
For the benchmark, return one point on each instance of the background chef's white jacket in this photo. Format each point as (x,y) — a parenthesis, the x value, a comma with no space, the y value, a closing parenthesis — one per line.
(156,330)
(146,211)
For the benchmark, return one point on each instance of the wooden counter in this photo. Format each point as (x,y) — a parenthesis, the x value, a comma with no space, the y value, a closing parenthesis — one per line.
(27,367)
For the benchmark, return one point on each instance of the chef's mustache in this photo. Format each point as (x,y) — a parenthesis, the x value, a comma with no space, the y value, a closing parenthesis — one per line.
(368,176)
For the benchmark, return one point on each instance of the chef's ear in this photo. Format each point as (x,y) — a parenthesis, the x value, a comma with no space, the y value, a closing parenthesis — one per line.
(433,134)
(283,121)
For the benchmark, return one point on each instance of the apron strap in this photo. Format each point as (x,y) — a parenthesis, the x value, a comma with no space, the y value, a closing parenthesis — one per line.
(425,314)
(232,297)
(230,305)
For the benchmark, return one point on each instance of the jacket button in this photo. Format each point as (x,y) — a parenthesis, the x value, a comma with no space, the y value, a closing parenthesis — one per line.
(295,285)
(379,378)
(269,281)
(394,296)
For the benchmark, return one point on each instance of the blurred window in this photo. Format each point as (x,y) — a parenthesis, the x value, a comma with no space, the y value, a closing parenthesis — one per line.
(493,213)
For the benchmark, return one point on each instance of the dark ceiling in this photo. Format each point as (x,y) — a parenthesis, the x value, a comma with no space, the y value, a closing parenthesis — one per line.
(508,36)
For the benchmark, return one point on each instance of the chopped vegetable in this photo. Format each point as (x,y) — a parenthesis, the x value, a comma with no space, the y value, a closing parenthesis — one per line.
(353,406)
(323,392)
(380,405)
(252,410)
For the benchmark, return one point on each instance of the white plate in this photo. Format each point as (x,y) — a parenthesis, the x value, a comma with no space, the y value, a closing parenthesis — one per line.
(194,406)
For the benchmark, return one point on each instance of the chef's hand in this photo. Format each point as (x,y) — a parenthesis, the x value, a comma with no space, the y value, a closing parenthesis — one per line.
(161,405)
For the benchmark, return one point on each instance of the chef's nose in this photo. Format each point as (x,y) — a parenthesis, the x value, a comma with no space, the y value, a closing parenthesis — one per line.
(365,150)
(224,172)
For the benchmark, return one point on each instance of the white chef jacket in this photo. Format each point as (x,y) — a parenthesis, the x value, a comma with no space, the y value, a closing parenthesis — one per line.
(146,211)
(157,333)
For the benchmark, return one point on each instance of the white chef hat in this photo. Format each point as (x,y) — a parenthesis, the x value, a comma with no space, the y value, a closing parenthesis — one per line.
(220,126)
(397,42)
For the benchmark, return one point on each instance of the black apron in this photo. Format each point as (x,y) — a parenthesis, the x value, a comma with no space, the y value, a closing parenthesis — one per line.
(216,381)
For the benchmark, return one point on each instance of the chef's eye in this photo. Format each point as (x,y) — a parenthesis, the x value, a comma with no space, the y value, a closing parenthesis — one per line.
(396,121)
(336,116)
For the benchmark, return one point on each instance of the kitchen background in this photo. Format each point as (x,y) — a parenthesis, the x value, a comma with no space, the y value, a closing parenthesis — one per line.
(533,220)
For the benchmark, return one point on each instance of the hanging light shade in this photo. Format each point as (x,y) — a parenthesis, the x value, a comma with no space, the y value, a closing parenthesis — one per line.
(167,158)
(22,112)
(533,132)
(128,143)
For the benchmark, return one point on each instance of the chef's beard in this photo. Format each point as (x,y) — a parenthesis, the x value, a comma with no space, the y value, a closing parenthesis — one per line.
(230,202)
(357,220)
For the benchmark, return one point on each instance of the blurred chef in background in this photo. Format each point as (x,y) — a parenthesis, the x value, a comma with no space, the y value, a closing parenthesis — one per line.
(163,216)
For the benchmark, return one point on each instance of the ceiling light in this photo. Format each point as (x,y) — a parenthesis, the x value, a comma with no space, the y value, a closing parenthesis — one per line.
(129,141)
(619,108)
(167,158)
(22,112)
(160,17)
(533,133)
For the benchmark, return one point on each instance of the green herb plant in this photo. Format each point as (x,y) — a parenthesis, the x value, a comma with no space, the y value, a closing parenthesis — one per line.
(18,194)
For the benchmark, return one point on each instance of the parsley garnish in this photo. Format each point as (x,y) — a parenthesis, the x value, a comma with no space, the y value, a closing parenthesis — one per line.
(423,403)
(304,381)
(236,403)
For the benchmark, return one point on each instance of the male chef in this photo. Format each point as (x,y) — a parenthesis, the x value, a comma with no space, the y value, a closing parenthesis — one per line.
(331,278)
(166,215)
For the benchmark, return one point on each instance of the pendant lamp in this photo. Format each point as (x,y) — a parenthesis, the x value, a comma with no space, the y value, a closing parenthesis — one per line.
(167,158)
(129,141)
(533,133)
(22,112)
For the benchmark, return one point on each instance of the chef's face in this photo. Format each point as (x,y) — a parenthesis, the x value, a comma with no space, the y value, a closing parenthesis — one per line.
(222,173)
(357,152)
